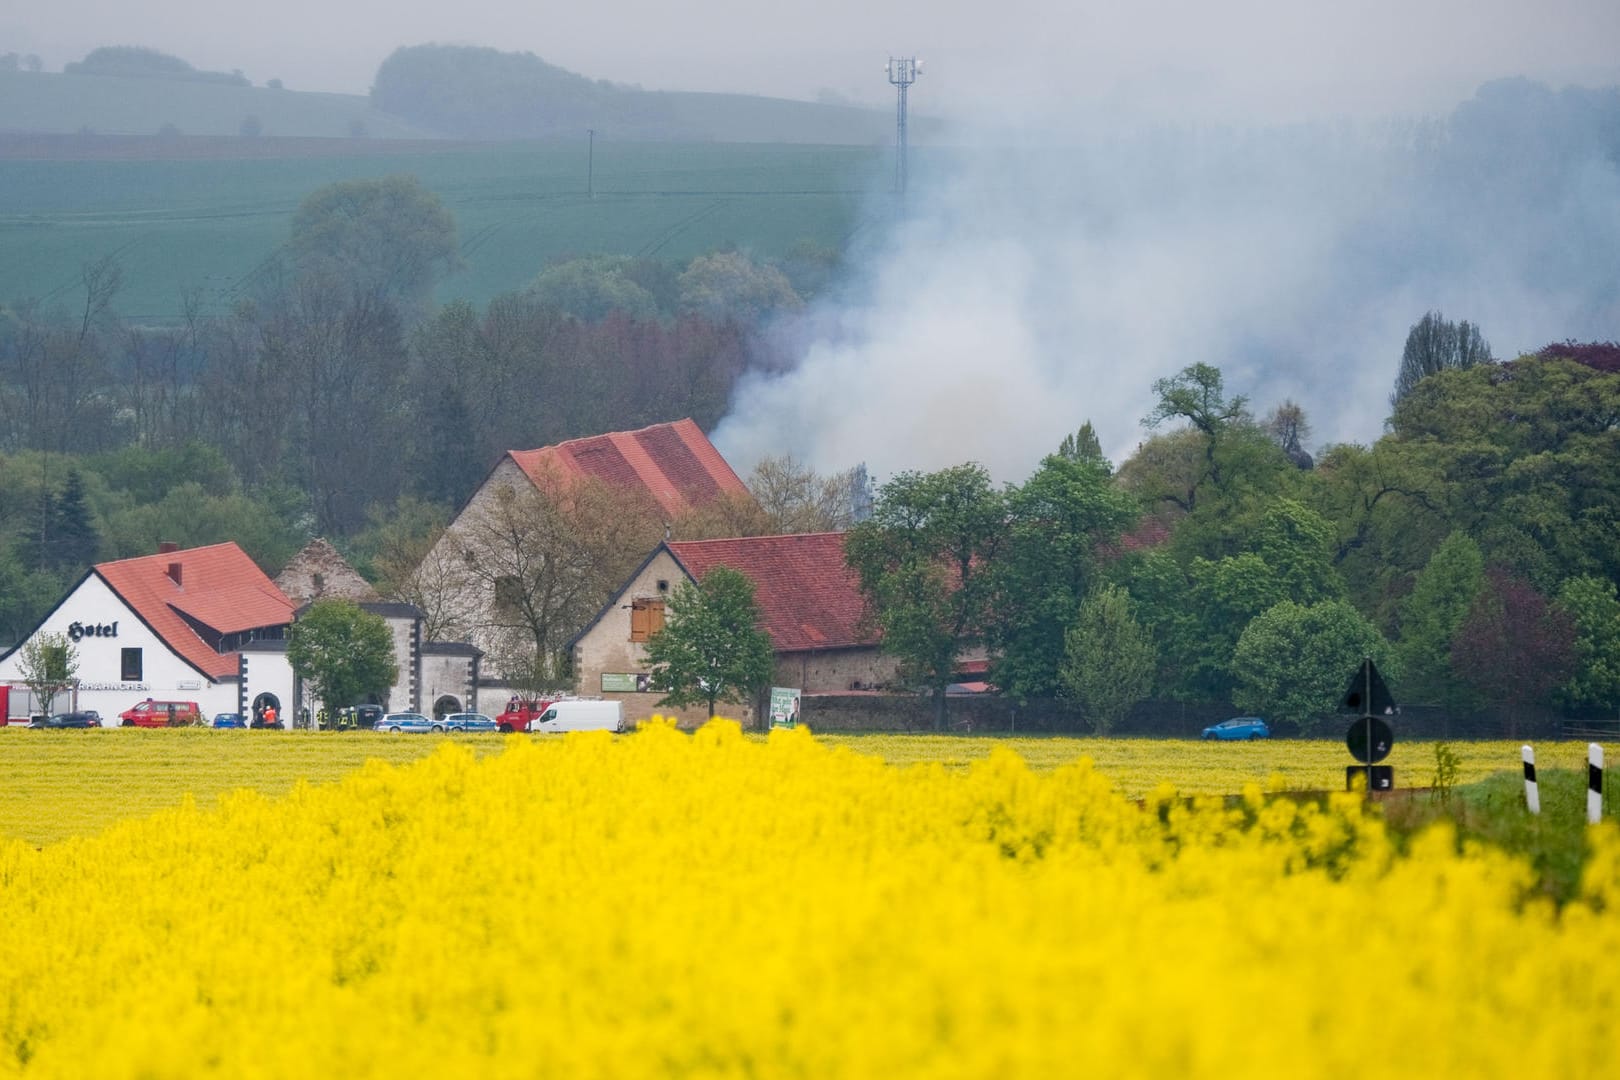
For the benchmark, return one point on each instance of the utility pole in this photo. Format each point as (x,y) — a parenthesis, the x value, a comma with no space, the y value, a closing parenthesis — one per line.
(902,71)
(590,163)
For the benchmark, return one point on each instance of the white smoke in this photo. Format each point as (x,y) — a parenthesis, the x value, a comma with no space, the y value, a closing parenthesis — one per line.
(1028,289)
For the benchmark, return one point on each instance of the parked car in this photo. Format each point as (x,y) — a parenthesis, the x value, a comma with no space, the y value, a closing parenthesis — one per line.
(150,713)
(229,720)
(397,722)
(1239,728)
(87,719)
(581,715)
(469,721)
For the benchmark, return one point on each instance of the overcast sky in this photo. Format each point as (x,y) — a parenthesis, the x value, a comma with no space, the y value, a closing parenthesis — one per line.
(1241,59)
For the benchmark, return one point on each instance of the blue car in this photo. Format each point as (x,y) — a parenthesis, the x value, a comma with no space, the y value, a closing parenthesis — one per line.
(1239,728)
(396,722)
(468,721)
(230,720)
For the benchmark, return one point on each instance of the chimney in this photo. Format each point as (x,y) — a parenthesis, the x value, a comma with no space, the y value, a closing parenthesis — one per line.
(174,572)
(167,547)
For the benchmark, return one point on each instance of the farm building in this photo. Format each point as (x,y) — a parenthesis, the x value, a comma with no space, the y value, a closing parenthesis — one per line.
(811,603)
(659,472)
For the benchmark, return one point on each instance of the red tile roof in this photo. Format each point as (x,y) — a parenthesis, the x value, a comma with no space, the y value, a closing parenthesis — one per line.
(675,463)
(219,587)
(810,598)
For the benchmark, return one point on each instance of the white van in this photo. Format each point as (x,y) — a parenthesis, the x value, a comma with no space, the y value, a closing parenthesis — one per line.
(576,714)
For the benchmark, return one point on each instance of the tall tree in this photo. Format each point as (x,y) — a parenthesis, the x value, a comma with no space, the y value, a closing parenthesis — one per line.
(343,652)
(1440,600)
(1434,344)
(712,647)
(390,238)
(1513,648)
(923,559)
(1108,659)
(74,538)
(542,561)
(1084,445)
(1057,524)
(1592,606)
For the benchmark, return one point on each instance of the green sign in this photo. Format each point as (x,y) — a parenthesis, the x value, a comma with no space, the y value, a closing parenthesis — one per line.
(613,683)
(784,707)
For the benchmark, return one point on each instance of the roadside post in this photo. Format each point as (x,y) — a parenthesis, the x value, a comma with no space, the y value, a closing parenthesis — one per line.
(1370,737)
(1532,793)
(1594,783)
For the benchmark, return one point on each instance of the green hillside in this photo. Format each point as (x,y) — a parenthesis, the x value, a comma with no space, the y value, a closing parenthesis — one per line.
(111,105)
(210,224)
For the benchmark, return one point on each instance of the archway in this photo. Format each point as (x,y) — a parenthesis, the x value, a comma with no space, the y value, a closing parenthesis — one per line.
(446,705)
(267,712)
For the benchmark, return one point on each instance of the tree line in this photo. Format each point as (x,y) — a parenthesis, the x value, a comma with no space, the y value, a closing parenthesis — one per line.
(335,394)
(1470,551)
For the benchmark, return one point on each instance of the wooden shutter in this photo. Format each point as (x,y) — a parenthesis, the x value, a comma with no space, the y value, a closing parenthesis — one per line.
(639,618)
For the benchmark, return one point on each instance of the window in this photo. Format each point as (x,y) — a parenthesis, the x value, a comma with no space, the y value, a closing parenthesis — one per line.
(646,618)
(508,594)
(129,668)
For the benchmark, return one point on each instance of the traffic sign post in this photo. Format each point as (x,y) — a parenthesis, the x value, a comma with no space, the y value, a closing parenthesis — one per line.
(1370,737)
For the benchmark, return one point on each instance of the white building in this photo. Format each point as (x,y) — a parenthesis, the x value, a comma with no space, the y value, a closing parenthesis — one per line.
(206,625)
(170,626)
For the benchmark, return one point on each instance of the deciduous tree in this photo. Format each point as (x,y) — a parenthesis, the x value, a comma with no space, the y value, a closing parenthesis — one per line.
(1293,660)
(712,647)
(343,652)
(1108,659)
(923,559)
(49,664)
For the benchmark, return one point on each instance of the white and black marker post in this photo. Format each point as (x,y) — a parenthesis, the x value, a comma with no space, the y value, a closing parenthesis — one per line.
(1594,783)
(1532,797)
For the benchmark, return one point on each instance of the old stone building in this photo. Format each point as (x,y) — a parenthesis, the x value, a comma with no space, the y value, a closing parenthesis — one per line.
(810,601)
(507,571)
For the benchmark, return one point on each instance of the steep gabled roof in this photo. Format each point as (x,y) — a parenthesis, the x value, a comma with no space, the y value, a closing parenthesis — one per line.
(810,597)
(220,588)
(319,572)
(674,463)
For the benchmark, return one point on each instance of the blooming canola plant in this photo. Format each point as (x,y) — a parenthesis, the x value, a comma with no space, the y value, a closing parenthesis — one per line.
(710,904)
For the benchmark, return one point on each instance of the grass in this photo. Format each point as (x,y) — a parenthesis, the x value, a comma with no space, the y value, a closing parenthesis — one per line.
(58,784)
(210,225)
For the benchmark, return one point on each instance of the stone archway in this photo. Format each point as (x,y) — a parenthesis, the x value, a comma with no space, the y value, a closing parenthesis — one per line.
(260,714)
(445,705)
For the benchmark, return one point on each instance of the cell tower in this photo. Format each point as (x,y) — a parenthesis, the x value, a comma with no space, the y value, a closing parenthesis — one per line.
(903,71)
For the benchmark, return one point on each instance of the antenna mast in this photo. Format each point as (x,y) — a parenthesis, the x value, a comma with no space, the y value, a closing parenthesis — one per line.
(902,71)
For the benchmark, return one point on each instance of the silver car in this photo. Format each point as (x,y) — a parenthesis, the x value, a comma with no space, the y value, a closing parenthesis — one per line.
(468,721)
(396,722)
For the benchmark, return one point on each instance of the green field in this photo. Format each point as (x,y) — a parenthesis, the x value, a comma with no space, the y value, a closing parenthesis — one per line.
(59,784)
(210,224)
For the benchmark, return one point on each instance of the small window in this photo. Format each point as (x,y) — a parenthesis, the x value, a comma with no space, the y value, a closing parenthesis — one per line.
(646,619)
(129,668)
(508,594)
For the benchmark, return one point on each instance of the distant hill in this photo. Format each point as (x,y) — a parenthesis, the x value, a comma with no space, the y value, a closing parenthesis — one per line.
(482,93)
(452,93)
(42,103)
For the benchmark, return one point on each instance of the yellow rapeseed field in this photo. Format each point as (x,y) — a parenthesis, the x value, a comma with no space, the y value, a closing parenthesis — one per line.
(667,904)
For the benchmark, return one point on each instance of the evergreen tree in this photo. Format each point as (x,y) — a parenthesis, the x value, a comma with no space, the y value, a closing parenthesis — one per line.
(73,537)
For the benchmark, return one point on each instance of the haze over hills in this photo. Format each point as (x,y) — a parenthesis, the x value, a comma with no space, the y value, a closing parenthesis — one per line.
(421,92)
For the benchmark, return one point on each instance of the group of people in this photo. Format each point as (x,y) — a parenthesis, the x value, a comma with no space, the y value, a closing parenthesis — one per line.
(265,715)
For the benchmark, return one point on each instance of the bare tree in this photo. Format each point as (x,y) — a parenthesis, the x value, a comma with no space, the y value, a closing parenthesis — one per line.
(539,562)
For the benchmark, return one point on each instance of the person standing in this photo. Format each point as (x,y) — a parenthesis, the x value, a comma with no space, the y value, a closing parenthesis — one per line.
(270,715)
